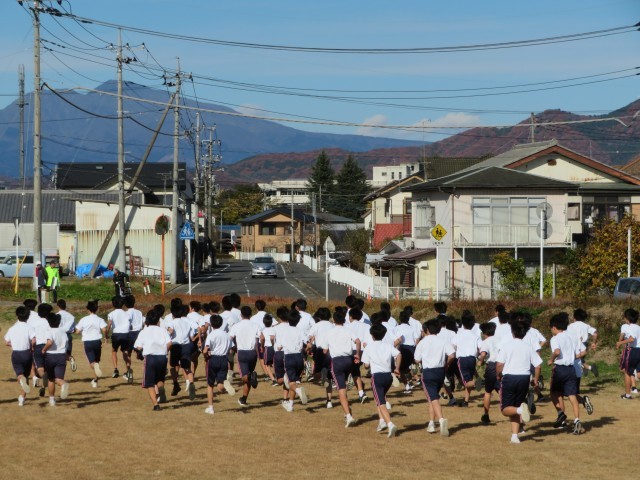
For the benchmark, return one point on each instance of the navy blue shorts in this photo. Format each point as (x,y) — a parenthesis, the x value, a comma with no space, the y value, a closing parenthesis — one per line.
(22,360)
(38,356)
(407,352)
(181,356)
(267,355)
(624,358)
(294,366)
(155,370)
(380,384)
(132,337)
(341,368)
(633,361)
(120,341)
(247,360)
(491,382)
(93,350)
(467,368)
(564,380)
(55,365)
(432,382)
(355,370)
(217,369)
(69,343)
(320,360)
(278,364)
(514,390)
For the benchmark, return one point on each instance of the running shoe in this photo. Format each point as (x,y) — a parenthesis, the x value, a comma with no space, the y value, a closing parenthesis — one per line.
(394,381)
(52,402)
(116,373)
(242,402)
(561,421)
(349,420)
(253,380)
(515,439)
(485,419)
(94,383)
(381,427)
(302,394)
(209,410)
(624,396)
(25,385)
(392,431)
(64,391)
(156,408)
(531,401)
(431,428)
(444,427)
(388,405)
(588,406)
(20,401)
(72,362)
(97,370)
(286,381)
(41,392)
(229,388)
(364,398)
(287,405)
(162,395)
(176,389)
(329,405)
(577,427)
(452,402)
(192,391)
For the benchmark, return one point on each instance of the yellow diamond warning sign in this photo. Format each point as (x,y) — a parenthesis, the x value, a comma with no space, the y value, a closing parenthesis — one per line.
(438,232)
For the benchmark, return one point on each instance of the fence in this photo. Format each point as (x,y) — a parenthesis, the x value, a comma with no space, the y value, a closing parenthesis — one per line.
(249,256)
(310,262)
(374,287)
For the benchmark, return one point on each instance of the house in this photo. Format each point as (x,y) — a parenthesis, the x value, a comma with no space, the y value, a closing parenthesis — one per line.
(498,204)
(271,231)
(383,175)
(286,192)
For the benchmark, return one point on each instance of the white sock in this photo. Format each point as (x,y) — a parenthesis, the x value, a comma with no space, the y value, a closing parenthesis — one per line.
(514,435)
(390,425)
(440,421)
(576,420)
(382,422)
(360,393)
(432,423)
(519,410)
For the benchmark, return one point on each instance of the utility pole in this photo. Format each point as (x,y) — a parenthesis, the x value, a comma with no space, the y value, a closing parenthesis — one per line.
(198,176)
(121,211)
(37,153)
(533,128)
(174,204)
(315,224)
(292,230)
(21,105)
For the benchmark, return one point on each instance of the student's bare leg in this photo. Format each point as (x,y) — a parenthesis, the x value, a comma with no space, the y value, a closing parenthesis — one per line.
(246,387)
(384,413)
(329,392)
(360,384)
(174,374)
(152,395)
(188,374)
(627,383)
(575,405)
(557,401)
(514,418)
(114,358)
(210,395)
(52,388)
(342,394)
(127,359)
(486,402)
(22,392)
(467,390)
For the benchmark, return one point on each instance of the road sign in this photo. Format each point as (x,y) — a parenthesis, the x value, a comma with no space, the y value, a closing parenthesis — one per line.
(438,232)
(329,246)
(187,233)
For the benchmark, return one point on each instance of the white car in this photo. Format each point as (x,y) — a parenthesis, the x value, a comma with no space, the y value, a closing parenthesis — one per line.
(264,267)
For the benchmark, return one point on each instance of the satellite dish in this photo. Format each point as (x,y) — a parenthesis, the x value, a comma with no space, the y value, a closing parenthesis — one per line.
(547,231)
(544,206)
(162,225)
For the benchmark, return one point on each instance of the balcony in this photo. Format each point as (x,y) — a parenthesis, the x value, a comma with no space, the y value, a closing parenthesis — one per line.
(508,236)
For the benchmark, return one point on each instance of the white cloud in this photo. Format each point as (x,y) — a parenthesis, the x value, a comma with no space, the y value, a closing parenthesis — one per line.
(437,131)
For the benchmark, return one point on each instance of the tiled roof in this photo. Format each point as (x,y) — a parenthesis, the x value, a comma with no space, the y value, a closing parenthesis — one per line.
(86,175)
(383,232)
(410,254)
(298,215)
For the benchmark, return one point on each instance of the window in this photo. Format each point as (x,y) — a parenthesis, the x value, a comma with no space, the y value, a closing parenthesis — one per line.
(573,211)
(424,219)
(269,250)
(250,229)
(600,208)
(393,175)
(383,174)
(399,175)
(505,220)
(267,229)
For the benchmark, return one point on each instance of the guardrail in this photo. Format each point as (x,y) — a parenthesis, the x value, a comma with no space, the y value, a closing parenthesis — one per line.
(373,287)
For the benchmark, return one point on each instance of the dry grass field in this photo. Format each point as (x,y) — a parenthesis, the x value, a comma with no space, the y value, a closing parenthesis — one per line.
(112,432)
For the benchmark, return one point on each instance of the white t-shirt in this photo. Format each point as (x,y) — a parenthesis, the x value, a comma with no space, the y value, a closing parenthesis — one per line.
(503,332)
(268,333)
(319,332)
(466,343)
(446,334)
(59,338)
(290,339)
(490,346)
(41,331)
(91,327)
(257,319)
(391,336)
(153,340)
(67,321)
(183,330)
(20,336)
(393,322)
(577,363)
(277,345)
(218,342)
(533,337)
(359,330)
(581,330)
(120,321)
(417,328)
(137,319)
(433,351)
(339,341)
(568,345)
(517,357)
(228,320)
(495,320)
(378,355)
(305,324)
(196,318)
(408,334)
(244,334)
(236,316)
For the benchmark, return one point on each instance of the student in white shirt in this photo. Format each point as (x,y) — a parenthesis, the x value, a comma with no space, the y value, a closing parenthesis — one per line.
(164,321)
(92,328)
(154,343)
(360,331)
(245,334)
(339,344)
(466,344)
(583,400)
(580,329)
(434,354)
(448,330)
(564,382)
(291,340)
(267,336)
(19,338)
(381,357)
(386,307)
(137,323)
(278,355)
(119,324)
(229,319)
(216,349)
(513,365)
(321,361)
(68,324)
(306,320)
(236,301)
(40,329)
(196,317)
(407,348)
(413,323)
(499,309)
(260,305)
(629,340)
(488,354)
(183,333)
(55,360)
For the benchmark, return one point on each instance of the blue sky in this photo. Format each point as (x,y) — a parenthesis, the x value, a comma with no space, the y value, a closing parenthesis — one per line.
(355,24)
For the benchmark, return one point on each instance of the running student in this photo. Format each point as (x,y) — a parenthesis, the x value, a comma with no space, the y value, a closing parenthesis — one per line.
(564,382)
(137,323)
(321,360)
(55,360)
(119,324)
(407,347)
(278,355)
(380,357)
(488,354)
(267,336)
(360,330)
(197,319)
(41,332)
(68,324)
(183,333)
(513,365)
(19,337)
(466,344)
(435,354)
(339,344)
(154,343)
(92,328)
(291,341)
(216,348)
(630,361)
(582,331)
(244,334)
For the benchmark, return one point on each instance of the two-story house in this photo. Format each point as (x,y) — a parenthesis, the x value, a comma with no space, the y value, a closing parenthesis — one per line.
(497,204)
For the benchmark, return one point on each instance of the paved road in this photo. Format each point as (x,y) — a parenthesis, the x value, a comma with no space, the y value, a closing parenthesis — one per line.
(235,276)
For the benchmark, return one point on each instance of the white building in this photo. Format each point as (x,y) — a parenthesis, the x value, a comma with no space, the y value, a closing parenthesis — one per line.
(389,173)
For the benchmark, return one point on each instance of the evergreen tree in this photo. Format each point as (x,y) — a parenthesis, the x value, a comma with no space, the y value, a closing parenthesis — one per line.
(351,188)
(239,202)
(321,182)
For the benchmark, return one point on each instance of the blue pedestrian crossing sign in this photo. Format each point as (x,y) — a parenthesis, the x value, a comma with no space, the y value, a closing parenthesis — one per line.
(187,233)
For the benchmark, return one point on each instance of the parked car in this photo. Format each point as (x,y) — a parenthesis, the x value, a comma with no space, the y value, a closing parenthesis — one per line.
(627,287)
(9,264)
(264,267)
